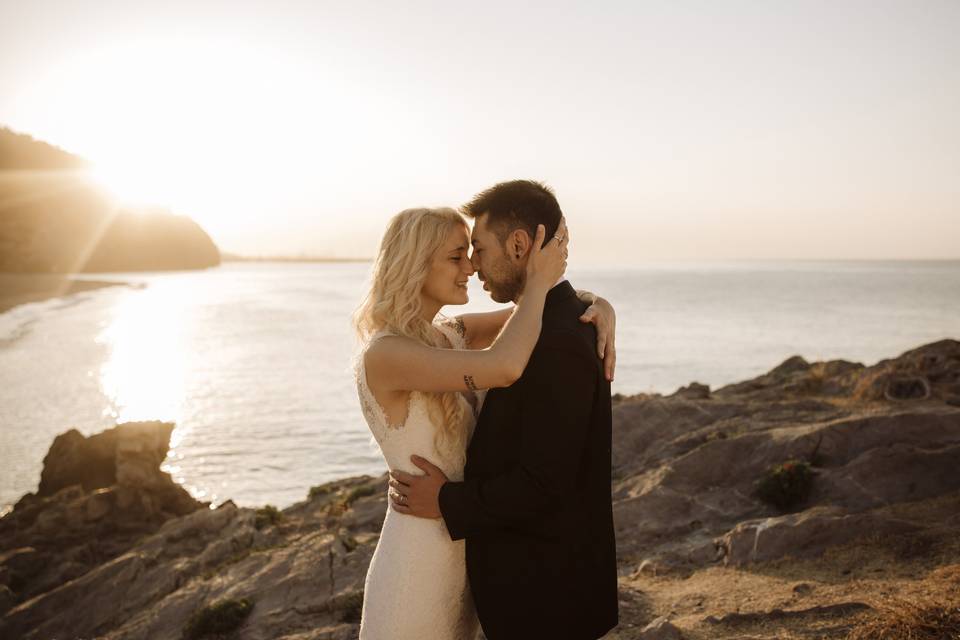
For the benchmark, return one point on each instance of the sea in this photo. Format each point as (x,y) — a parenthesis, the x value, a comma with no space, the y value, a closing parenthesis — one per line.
(253,360)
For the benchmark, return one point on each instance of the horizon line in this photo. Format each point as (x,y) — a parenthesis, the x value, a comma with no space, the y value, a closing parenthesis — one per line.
(235,257)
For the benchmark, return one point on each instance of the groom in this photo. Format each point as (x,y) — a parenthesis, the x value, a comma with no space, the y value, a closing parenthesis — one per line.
(534,505)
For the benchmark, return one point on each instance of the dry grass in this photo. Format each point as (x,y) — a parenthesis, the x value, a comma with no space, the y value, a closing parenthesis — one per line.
(781,599)
(910,620)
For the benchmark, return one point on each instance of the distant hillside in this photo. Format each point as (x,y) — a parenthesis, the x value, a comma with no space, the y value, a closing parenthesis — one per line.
(20,151)
(58,221)
(234,257)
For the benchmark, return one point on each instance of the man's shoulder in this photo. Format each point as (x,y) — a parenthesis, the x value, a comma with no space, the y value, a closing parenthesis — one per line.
(562,326)
(576,340)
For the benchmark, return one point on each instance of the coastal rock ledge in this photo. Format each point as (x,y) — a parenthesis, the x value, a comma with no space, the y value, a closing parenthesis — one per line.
(817,500)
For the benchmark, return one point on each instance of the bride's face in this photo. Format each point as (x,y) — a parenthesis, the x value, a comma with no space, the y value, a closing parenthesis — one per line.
(450,269)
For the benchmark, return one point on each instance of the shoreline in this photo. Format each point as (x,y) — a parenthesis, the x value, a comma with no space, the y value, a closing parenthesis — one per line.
(705,548)
(19,289)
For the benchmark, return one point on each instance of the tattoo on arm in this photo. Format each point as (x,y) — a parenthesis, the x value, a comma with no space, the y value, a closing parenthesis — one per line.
(470,383)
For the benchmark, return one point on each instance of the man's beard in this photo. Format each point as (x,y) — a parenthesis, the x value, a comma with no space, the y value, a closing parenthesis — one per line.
(506,283)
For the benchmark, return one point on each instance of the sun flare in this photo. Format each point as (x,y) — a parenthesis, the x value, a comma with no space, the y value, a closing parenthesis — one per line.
(133,185)
(195,128)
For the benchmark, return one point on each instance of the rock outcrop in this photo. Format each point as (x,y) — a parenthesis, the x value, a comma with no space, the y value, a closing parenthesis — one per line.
(109,549)
(687,467)
(97,497)
(61,222)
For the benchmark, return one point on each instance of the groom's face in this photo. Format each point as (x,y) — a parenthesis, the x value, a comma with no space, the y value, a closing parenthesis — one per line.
(502,277)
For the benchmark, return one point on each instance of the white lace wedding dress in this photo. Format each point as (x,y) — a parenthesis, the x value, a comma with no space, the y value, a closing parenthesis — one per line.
(416,587)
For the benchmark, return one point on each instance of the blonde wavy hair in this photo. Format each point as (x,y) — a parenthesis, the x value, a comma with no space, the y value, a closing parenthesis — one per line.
(393,302)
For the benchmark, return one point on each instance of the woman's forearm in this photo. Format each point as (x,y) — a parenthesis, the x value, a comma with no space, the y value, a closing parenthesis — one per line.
(520,333)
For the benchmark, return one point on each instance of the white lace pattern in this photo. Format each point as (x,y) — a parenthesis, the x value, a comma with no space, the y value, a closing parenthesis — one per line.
(416,586)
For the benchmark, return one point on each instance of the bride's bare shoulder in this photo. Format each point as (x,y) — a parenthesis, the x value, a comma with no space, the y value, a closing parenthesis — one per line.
(388,350)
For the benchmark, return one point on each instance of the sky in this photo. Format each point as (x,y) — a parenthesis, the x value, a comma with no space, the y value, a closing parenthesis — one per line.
(674,130)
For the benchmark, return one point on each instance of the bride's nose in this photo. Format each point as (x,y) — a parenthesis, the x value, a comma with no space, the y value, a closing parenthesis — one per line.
(468,267)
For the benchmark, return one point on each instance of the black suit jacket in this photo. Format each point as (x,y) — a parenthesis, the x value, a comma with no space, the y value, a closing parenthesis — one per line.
(535,505)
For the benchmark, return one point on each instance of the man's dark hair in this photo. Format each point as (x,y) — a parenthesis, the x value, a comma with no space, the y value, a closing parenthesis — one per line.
(518,204)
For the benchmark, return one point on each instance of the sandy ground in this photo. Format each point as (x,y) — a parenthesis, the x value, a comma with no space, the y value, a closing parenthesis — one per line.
(17,289)
(824,597)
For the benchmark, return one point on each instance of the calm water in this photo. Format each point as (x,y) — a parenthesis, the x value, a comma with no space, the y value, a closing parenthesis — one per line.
(252,361)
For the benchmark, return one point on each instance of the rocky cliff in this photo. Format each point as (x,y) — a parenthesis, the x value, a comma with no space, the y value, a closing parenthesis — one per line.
(60,222)
(20,151)
(818,500)
(57,220)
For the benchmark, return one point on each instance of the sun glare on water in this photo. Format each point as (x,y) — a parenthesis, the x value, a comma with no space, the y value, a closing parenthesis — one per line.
(143,378)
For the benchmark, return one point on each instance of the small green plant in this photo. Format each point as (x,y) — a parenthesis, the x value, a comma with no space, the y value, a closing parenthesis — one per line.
(338,507)
(359,492)
(321,490)
(349,606)
(218,618)
(815,379)
(351,614)
(786,485)
(267,515)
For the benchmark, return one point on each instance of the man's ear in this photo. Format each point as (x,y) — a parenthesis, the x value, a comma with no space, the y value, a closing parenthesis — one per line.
(519,243)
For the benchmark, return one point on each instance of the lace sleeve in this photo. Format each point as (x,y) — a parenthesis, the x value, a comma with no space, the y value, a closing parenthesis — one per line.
(456,327)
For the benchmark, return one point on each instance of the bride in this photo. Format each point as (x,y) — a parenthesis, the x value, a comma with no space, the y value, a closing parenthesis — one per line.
(416,373)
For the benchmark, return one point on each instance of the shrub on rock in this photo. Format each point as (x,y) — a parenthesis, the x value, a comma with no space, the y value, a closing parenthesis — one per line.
(267,515)
(217,618)
(786,485)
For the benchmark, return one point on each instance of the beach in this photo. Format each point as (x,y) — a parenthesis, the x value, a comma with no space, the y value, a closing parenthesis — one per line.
(18,289)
